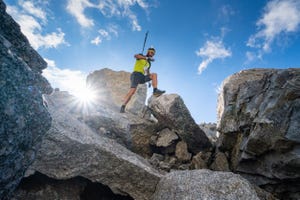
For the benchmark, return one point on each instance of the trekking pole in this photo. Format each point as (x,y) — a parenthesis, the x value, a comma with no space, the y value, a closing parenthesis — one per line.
(146,35)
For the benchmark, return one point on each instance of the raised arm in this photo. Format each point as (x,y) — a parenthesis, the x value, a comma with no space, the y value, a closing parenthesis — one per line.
(140,56)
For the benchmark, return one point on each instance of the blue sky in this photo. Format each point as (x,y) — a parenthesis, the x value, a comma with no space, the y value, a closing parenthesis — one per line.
(198,43)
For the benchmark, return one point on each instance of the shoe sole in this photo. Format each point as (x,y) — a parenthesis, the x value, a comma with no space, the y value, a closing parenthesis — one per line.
(157,95)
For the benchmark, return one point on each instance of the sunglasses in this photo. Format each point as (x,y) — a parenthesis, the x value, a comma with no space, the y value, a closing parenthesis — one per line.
(151,51)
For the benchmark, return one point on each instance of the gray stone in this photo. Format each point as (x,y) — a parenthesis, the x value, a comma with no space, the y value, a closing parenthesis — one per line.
(16,42)
(184,166)
(220,162)
(127,129)
(141,136)
(201,160)
(204,184)
(165,138)
(171,111)
(182,152)
(23,117)
(71,149)
(165,141)
(258,112)
(155,159)
(210,129)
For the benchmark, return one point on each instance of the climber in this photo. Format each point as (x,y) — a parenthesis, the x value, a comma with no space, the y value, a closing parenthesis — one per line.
(141,74)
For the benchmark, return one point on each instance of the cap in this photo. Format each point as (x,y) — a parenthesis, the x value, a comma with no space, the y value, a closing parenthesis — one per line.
(151,49)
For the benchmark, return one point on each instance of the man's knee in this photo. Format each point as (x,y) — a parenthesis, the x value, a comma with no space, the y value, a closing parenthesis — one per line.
(153,75)
(132,90)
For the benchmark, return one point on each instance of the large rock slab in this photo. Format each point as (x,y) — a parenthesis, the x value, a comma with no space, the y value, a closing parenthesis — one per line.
(128,129)
(259,122)
(112,86)
(204,184)
(23,117)
(171,112)
(72,149)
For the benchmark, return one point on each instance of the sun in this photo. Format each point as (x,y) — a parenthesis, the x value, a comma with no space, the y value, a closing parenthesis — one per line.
(86,95)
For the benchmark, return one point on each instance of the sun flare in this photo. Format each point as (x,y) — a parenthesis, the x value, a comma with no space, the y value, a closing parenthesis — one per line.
(86,95)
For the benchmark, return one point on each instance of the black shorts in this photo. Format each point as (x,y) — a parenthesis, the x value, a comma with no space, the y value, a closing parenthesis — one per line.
(138,78)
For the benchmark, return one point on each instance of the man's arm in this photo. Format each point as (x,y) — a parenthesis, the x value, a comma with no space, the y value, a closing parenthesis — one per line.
(140,56)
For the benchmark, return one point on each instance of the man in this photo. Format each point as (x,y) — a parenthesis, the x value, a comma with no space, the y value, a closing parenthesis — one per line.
(141,74)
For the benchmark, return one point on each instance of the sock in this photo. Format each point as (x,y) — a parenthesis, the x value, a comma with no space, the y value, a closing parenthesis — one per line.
(154,89)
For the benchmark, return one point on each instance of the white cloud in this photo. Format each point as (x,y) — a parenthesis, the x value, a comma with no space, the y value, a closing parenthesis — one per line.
(108,8)
(65,79)
(28,18)
(250,56)
(105,34)
(96,40)
(113,29)
(29,7)
(224,31)
(51,63)
(225,12)
(217,87)
(76,8)
(125,7)
(134,23)
(210,51)
(52,39)
(279,17)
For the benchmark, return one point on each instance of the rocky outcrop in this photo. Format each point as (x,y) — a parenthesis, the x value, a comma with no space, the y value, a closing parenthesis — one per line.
(94,149)
(204,184)
(99,152)
(101,118)
(112,87)
(259,122)
(73,154)
(17,43)
(171,111)
(71,149)
(23,117)
(210,129)
(128,156)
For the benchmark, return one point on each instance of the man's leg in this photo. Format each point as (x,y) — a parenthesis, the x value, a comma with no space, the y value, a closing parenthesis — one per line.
(127,99)
(156,92)
(135,78)
(129,95)
(153,77)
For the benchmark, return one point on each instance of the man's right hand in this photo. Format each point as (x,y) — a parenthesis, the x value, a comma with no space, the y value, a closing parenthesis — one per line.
(150,59)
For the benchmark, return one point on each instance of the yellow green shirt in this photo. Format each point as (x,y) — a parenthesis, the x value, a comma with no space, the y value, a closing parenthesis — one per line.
(140,64)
